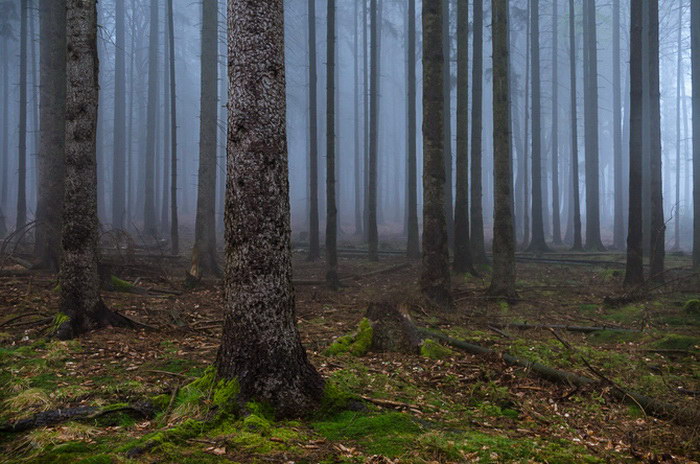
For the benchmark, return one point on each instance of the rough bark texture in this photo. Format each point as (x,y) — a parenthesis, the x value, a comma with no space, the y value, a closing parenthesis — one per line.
(174,222)
(618,221)
(392,329)
(462,248)
(634,274)
(578,241)
(331,207)
(52,135)
(149,210)
(119,154)
(4,150)
(503,279)
(357,188)
(446,115)
(435,274)
(21,217)
(314,242)
(412,246)
(556,218)
(261,346)
(695,51)
(204,252)
(79,279)
(476,210)
(372,233)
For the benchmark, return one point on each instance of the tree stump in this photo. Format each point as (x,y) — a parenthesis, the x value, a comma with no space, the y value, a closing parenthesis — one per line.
(392,329)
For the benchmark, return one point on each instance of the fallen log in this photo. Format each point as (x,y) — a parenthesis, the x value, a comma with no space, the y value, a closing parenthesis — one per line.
(651,406)
(568,328)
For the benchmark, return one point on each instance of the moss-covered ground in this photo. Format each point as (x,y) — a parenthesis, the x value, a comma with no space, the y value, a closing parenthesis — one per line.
(441,406)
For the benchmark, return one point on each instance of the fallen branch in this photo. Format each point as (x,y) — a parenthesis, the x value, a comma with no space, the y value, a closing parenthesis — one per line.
(569,328)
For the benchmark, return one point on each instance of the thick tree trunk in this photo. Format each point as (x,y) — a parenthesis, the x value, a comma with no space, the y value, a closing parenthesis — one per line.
(21,217)
(658,225)
(261,347)
(412,246)
(462,247)
(314,242)
(204,251)
(578,242)
(476,209)
(119,156)
(556,218)
(79,280)
(503,278)
(619,216)
(372,233)
(52,134)
(695,51)
(435,273)
(174,222)
(447,120)
(634,274)
(331,208)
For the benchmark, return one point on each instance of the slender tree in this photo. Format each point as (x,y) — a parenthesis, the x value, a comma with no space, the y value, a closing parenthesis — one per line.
(618,220)
(261,347)
(204,251)
(21,218)
(412,246)
(149,211)
(331,208)
(357,165)
(80,297)
(556,217)
(526,138)
(119,154)
(578,241)
(476,209)
(634,273)
(174,222)
(435,274)
(462,247)
(447,119)
(4,143)
(503,278)
(372,234)
(695,56)
(314,247)
(679,83)
(658,225)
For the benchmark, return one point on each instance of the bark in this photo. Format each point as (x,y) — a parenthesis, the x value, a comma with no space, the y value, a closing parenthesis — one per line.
(167,155)
(578,242)
(679,82)
(476,210)
(392,329)
(658,225)
(261,347)
(358,151)
(149,211)
(331,208)
(204,251)
(79,279)
(119,154)
(412,245)
(314,247)
(447,120)
(372,234)
(174,222)
(365,107)
(526,139)
(695,55)
(634,273)
(4,143)
(462,247)
(556,218)
(435,273)
(21,217)
(619,216)
(503,278)
(590,44)
(52,134)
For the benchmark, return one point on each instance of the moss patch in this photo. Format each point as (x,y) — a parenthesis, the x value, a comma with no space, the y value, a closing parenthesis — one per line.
(356,344)
(434,350)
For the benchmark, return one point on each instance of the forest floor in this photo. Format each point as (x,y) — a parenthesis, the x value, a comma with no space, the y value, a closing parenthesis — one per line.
(449,406)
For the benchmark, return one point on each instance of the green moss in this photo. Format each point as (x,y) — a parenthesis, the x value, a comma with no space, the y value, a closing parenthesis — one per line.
(119,285)
(692,307)
(356,344)
(433,350)
(255,423)
(677,342)
(225,394)
(58,320)
(613,336)
(99,459)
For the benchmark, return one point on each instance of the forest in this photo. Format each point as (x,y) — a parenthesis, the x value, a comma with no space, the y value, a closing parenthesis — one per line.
(349,231)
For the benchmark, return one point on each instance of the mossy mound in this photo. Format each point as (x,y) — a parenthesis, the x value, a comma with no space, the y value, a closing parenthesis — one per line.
(434,350)
(692,307)
(356,344)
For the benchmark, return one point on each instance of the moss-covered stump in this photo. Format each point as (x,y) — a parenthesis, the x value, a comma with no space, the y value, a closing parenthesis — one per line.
(392,329)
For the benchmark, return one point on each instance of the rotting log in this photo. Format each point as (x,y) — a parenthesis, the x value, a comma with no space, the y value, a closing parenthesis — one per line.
(651,406)
(569,328)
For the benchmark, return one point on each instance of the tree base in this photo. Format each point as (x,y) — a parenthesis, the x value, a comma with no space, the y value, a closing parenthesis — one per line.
(392,329)
(99,318)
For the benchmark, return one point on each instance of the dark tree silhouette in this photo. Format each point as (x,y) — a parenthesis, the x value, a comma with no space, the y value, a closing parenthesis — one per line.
(314,242)
(476,210)
(658,225)
(372,234)
(412,245)
(331,208)
(578,241)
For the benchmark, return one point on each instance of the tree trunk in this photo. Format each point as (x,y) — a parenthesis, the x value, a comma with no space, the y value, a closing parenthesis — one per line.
(658,225)
(476,210)
(4,143)
(149,211)
(21,218)
(331,209)
(167,138)
(372,233)
(435,273)
(357,144)
(680,81)
(79,280)
(634,274)
(261,347)
(314,247)
(590,59)
(578,242)
(526,140)
(503,278)
(204,251)
(447,120)
(695,51)
(556,218)
(119,157)
(412,247)
(618,221)
(52,134)
(462,247)
(174,223)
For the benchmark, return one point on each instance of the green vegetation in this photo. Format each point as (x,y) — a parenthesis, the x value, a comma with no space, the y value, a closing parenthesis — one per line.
(356,344)
(692,307)
(434,350)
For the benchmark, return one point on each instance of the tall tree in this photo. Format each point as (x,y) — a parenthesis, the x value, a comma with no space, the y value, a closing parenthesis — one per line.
(21,218)
(503,278)
(357,165)
(79,280)
(462,247)
(680,81)
(658,225)
(556,218)
(372,233)
(52,17)
(174,222)
(634,273)
(695,56)
(412,245)
(476,209)
(204,250)
(261,347)
(435,274)
(314,247)
(447,119)
(149,210)
(331,208)
(618,221)
(590,77)
(119,156)
(4,143)
(578,241)
(537,244)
